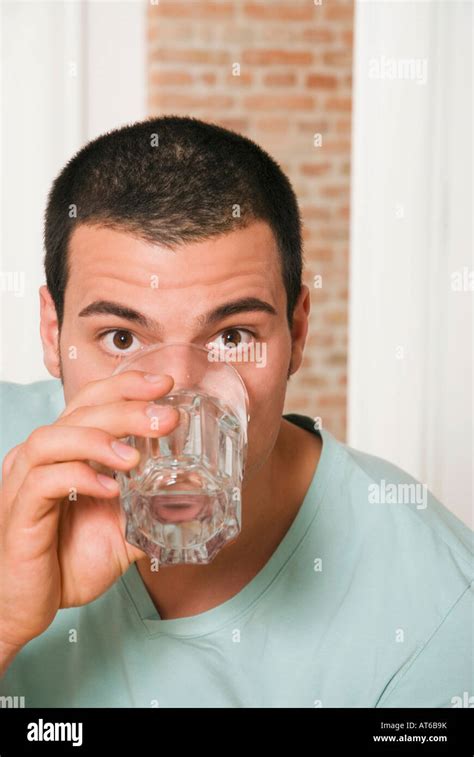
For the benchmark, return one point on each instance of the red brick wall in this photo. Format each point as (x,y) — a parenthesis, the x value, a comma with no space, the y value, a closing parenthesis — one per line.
(295,82)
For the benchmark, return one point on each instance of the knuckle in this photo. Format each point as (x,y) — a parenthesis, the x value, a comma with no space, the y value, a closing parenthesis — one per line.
(74,416)
(9,458)
(98,438)
(34,442)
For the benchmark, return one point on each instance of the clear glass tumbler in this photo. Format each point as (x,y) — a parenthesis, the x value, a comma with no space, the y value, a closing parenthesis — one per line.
(183,499)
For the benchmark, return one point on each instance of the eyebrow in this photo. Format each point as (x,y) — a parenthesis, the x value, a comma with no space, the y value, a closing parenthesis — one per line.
(242,305)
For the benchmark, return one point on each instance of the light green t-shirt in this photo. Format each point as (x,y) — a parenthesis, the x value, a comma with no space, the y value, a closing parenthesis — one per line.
(366,602)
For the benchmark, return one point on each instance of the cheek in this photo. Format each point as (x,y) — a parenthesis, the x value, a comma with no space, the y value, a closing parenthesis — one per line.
(81,364)
(266,380)
(266,388)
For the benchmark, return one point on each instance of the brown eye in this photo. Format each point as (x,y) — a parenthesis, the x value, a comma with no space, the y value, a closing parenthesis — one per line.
(232,341)
(231,338)
(122,339)
(119,341)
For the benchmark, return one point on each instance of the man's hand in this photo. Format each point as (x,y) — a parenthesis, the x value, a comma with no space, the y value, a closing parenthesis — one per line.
(58,552)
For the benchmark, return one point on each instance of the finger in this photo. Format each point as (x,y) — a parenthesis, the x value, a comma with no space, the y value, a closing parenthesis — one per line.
(125,418)
(123,386)
(9,459)
(52,444)
(47,485)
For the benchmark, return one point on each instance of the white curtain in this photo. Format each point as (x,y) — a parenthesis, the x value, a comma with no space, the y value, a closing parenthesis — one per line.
(69,71)
(411,279)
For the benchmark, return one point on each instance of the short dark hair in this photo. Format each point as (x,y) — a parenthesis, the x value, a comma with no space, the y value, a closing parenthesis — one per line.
(171,180)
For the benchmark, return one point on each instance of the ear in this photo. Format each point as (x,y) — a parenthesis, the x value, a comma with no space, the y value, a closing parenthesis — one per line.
(49,332)
(300,328)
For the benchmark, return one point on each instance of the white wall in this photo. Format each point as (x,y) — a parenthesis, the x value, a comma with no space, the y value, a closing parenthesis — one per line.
(70,71)
(411,332)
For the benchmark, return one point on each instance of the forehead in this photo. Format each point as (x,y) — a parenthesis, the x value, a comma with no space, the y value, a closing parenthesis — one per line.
(100,257)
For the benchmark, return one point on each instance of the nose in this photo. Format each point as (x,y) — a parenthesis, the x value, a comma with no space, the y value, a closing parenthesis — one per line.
(185,362)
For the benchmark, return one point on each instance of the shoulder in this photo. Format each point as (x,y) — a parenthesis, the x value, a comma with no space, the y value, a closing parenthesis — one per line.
(395,505)
(440,673)
(24,407)
(415,559)
(410,562)
(389,495)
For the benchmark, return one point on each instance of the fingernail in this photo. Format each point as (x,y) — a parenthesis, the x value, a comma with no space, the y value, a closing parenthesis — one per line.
(107,482)
(152,377)
(123,450)
(159,411)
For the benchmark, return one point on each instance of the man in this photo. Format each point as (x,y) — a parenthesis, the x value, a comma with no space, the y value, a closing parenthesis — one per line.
(333,595)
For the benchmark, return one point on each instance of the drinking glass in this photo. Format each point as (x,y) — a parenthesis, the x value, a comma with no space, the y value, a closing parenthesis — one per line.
(183,499)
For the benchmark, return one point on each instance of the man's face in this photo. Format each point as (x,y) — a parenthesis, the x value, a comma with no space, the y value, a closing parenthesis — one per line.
(173,291)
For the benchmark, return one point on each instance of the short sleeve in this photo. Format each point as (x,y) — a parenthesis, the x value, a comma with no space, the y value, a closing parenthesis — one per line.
(442,673)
